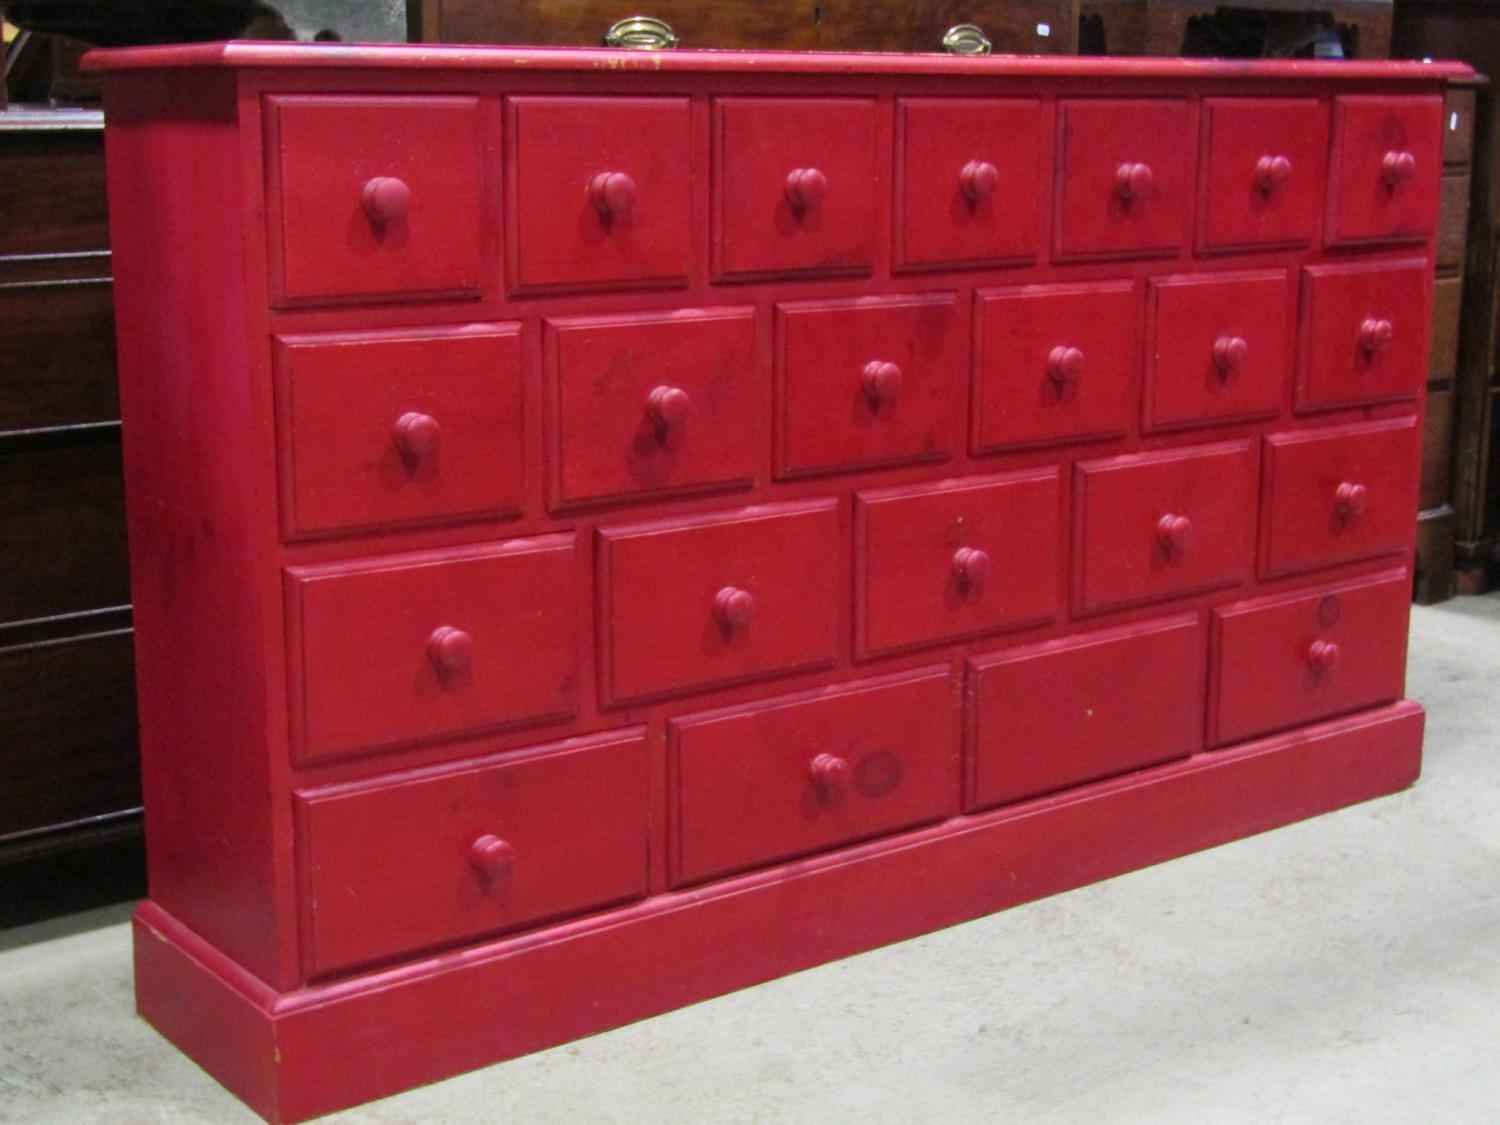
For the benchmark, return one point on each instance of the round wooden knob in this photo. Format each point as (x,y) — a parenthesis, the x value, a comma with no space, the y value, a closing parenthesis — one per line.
(1351,499)
(1324,656)
(416,434)
(971,566)
(980,180)
(805,187)
(829,771)
(386,199)
(668,406)
(734,607)
(450,650)
(492,857)
(1271,172)
(1134,181)
(1398,167)
(1230,353)
(882,381)
(1376,333)
(1175,533)
(612,193)
(1064,364)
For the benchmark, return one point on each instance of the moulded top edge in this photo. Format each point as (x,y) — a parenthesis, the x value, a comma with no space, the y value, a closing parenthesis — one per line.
(445,57)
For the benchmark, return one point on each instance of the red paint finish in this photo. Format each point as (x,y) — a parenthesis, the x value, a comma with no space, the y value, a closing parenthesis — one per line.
(433,857)
(1264,172)
(1062,713)
(652,404)
(875,381)
(1291,659)
(800,774)
(1387,169)
(1363,333)
(388,428)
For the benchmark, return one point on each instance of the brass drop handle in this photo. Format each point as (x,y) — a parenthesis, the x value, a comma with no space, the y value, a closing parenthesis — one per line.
(967,39)
(641,33)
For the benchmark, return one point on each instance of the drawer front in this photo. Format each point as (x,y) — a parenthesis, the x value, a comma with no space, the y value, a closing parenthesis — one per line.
(1126,178)
(715,600)
(59,347)
(935,563)
(1263,182)
(795,185)
(1054,363)
(375,197)
(791,776)
(1284,661)
(1062,713)
(387,428)
(1387,168)
(602,192)
(435,857)
(1363,333)
(1339,494)
(877,381)
(968,181)
(433,644)
(652,404)
(1218,348)
(1150,526)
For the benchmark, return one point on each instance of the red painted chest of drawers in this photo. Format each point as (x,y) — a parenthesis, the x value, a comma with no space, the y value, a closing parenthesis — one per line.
(610,529)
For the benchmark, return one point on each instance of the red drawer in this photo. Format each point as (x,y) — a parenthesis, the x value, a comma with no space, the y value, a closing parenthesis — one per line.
(1293,659)
(1387,169)
(1066,712)
(875,381)
(1218,348)
(1363,333)
(712,600)
(1054,363)
(938,562)
(375,197)
(795,185)
(1125,178)
(434,857)
(790,776)
(602,192)
(385,428)
(969,181)
(652,403)
(1338,494)
(1150,526)
(1262,183)
(431,644)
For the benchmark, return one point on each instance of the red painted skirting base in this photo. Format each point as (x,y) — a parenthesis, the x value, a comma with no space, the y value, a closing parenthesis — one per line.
(311,1052)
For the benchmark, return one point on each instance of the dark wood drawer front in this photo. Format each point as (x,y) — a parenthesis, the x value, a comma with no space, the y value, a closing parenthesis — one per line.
(57,343)
(52,193)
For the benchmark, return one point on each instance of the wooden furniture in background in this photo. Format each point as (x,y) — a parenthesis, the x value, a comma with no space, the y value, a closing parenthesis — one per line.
(1170,27)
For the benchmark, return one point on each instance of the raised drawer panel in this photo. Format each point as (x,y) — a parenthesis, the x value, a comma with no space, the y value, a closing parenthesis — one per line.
(652,404)
(869,382)
(386,428)
(1152,526)
(791,776)
(713,600)
(434,644)
(435,857)
(1363,332)
(1263,178)
(939,562)
(1387,169)
(1283,661)
(603,192)
(1338,494)
(376,197)
(1070,711)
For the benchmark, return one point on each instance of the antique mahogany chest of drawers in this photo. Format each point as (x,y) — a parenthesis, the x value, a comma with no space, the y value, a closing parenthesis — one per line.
(610,529)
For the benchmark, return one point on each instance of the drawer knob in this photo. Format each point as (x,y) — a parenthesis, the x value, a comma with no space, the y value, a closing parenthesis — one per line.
(1351,499)
(386,199)
(829,771)
(612,193)
(1398,167)
(1134,181)
(1230,353)
(1175,533)
(416,434)
(492,857)
(450,650)
(971,566)
(882,381)
(1376,333)
(1271,172)
(668,406)
(1064,364)
(805,188)
(980,180)
(733,608)
(1324,656)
